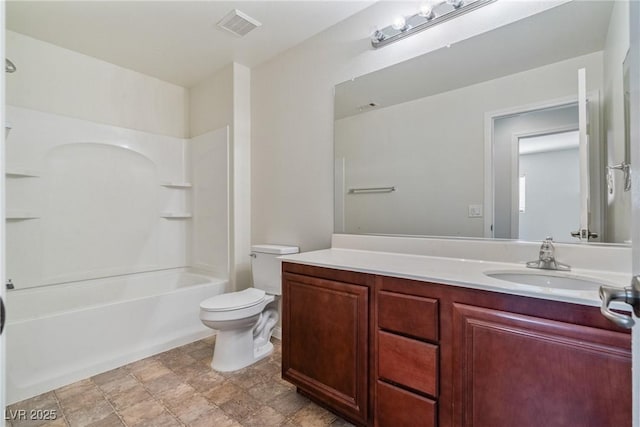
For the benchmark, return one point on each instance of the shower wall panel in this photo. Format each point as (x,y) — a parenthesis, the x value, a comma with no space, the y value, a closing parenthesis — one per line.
(88,200)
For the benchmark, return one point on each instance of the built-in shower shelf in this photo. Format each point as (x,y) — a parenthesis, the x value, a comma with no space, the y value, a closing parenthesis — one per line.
(21,172)
(20,215)
(176,215)
(176,184)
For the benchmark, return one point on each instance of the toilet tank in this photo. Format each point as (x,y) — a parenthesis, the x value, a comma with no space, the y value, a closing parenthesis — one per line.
(266,267)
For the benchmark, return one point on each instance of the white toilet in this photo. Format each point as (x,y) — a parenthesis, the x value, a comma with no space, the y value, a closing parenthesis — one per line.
(245,319)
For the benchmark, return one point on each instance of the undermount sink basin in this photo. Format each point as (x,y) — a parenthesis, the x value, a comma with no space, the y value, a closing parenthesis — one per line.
(547,279)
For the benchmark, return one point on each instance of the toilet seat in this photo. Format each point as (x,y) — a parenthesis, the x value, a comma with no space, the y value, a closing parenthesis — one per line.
(233,300)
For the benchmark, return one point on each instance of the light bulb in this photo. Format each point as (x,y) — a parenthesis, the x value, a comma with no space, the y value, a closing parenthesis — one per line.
(399,23)
(377,36)
(426,11)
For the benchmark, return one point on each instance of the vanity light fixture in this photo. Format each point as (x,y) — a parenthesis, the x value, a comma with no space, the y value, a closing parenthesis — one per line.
(431,13)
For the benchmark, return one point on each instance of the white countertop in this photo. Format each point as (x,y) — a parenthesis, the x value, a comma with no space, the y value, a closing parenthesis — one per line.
(467,273)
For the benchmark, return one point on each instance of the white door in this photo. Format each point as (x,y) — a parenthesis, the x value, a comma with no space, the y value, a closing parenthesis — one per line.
(634,86)
(2,223)
(631,295)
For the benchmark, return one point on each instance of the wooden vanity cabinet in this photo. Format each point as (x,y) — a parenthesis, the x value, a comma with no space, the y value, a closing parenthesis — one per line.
(507,360)
(406,359)
(511,369)
(387,351)
(326,337)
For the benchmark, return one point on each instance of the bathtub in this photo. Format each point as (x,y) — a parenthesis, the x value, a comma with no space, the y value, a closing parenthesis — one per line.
(63,333)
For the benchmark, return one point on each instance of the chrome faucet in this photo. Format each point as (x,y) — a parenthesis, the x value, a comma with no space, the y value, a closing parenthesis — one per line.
(547,258)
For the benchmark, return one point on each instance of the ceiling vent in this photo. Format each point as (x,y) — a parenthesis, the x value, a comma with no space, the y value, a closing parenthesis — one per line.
(238,23)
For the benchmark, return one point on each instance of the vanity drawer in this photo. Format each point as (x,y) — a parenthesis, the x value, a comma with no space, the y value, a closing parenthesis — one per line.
(396,407)
(408,314)
(408,362)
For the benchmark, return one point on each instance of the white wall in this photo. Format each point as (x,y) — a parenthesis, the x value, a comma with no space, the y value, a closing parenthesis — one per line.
(241,181)
(292,113)
(618,212)
(211,102)
(432,150)
(61,81)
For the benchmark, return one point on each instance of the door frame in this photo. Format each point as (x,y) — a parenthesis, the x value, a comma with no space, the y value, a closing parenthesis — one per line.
(593,97)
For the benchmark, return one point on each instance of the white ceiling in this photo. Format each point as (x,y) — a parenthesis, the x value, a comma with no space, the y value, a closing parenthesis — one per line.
(566,31)
(176,41)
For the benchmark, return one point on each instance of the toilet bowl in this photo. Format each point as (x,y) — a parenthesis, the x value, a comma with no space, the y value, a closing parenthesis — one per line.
(245,319)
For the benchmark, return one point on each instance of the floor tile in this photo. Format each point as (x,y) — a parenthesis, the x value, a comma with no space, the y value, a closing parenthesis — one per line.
(179,388)
(129,397)
(165,382)
(264,417)
(69,392)
(214,417)
(313,416)
(223,392)
(267,391)
(119,385)
(86,415)
(142,413)
(91,398)
(206,381)
(193,408)
(112,420)
(173,398)
(34,412)
(240,406)
(149,371)
(289,403)
(109,376)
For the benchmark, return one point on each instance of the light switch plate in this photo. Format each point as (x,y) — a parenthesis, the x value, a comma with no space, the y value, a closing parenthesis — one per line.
(475,211)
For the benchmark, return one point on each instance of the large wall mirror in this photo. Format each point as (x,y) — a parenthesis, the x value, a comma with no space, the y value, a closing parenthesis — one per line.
(487,138)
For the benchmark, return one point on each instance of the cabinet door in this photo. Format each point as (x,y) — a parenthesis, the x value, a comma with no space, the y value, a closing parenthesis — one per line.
(325,342)
(515,370)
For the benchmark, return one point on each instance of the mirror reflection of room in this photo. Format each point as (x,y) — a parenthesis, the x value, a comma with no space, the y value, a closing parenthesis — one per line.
(549,186)
(427,128)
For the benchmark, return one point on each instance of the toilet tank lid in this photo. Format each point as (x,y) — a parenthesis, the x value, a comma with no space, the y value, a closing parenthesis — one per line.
(275,249)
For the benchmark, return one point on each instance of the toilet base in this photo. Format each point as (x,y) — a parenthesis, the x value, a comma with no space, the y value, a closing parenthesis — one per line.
(236,350)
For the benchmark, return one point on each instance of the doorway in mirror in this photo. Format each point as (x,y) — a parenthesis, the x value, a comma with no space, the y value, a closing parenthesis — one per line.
(548,186)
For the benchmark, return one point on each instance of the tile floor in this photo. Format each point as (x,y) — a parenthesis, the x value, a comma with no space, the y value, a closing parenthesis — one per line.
(178,388)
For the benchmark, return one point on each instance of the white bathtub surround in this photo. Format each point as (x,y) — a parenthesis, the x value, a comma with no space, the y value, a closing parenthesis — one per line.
(139,201)
(463,262)
(60,334)
(87,200)
(100,222)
